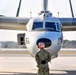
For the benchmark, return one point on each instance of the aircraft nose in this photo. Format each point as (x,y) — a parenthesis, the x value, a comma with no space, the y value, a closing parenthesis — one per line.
(46,41)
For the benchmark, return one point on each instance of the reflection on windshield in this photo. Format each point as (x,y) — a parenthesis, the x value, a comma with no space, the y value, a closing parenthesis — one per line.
(50,25)
(37,25)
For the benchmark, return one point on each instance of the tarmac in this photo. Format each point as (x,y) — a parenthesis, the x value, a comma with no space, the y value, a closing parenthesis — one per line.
(24,64)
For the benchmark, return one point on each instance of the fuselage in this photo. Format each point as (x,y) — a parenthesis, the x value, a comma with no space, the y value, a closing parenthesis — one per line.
(46,29)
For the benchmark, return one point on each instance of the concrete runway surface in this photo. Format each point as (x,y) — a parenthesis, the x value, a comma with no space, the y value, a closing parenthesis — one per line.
(26,65)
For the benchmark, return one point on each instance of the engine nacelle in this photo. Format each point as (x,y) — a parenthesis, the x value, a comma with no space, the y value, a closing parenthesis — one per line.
(21,39)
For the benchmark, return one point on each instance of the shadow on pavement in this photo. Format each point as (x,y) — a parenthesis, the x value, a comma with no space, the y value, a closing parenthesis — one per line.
(68,72)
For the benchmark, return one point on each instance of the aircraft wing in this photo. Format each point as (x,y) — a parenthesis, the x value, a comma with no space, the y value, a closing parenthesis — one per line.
(68,24)
(13,23)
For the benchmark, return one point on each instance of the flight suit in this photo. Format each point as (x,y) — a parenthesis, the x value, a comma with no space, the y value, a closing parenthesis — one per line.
(42,58)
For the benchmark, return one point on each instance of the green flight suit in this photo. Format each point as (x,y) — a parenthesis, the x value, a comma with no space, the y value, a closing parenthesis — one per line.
(42,58)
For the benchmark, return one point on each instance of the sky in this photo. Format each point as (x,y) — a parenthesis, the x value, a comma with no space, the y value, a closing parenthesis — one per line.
(9,8)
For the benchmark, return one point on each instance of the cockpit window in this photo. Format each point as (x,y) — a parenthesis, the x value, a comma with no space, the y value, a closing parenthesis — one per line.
(58,27)
(50,25)
(37,25)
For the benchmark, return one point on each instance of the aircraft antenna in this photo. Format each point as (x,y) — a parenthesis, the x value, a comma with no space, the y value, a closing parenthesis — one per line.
(18,10)
(58,14)
(71,8)
(30,14)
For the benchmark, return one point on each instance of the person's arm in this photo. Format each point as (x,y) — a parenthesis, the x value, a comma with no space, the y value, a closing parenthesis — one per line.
(37,58)
(49,57)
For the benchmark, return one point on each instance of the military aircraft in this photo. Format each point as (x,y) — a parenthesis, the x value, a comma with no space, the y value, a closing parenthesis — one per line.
(44,28)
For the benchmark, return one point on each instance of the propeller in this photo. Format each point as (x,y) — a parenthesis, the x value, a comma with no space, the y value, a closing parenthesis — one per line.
(18,10)
(71,9)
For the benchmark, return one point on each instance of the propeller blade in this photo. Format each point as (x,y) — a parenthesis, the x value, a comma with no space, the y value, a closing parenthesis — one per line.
(18,10)
(71,9)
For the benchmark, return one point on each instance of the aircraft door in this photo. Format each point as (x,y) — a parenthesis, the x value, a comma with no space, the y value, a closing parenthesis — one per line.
(21,39)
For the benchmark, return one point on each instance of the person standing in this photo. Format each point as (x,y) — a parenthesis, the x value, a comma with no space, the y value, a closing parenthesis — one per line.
(42,58)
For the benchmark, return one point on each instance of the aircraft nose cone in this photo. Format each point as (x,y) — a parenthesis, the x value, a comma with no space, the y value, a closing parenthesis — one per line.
(46,41)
